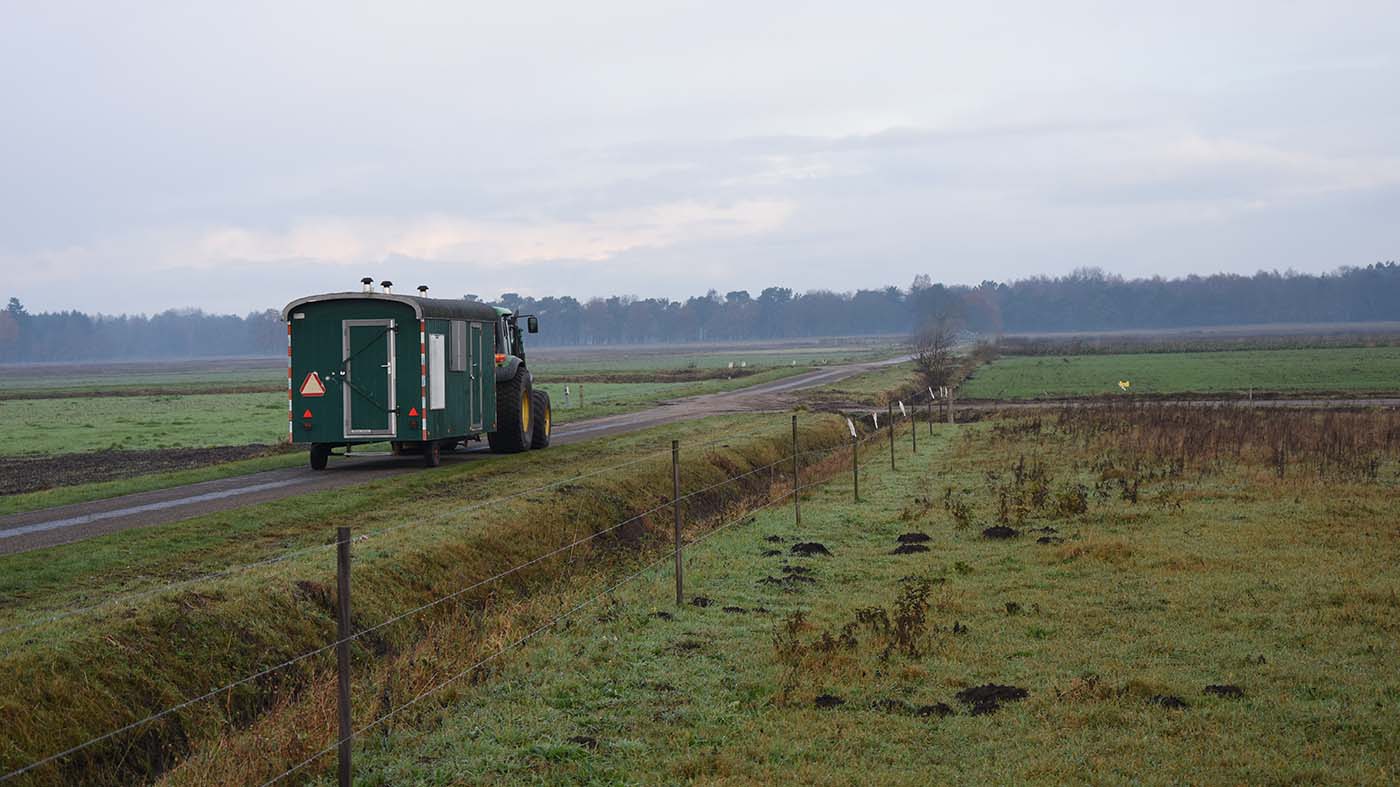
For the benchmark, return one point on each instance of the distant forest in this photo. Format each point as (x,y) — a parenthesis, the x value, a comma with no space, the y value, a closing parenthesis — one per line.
(1086,300)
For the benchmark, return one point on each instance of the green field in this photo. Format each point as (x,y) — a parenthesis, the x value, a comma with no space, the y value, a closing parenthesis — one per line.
(1216,581)
(58,426)
(1341,370)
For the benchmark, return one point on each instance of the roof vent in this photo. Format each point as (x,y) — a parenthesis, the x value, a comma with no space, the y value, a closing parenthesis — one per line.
(423,290)
(368,284)
(388,286)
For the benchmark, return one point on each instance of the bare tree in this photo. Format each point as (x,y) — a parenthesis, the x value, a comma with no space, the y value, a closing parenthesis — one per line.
(933,351)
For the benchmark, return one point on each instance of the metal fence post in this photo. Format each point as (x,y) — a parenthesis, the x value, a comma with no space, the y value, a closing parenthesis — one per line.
(891,414)
(342,648)
(796,481)
(676,505)
(951,417)
(930,418)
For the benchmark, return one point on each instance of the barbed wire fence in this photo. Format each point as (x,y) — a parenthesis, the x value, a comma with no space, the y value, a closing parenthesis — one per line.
(793,486)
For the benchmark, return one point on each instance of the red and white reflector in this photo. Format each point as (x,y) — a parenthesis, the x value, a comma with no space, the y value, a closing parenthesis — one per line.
(312,385)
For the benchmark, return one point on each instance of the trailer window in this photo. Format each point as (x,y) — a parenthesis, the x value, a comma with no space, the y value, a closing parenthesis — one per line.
(437,376)
(459,346)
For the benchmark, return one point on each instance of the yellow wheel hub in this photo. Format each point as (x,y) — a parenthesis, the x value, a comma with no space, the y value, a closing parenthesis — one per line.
(525,412)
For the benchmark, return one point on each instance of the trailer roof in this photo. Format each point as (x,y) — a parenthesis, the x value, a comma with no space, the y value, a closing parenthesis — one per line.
(423,308)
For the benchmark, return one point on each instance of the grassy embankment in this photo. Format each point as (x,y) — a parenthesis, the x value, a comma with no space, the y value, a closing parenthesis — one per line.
(85,674)
(1299,371)
(1160,553)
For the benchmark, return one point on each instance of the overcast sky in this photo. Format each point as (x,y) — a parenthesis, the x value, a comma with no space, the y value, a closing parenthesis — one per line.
(233,156)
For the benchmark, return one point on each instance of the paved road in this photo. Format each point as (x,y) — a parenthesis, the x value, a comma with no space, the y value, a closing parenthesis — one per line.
(65,524)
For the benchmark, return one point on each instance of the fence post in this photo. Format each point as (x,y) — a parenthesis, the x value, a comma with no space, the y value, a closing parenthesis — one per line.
(930,418)
(855,466)
(914,426)
(342,648)
(891,414)
(951,417)
(796,485)
(676,505)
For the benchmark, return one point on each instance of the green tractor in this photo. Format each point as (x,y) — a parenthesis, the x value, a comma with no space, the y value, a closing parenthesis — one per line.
(523,416)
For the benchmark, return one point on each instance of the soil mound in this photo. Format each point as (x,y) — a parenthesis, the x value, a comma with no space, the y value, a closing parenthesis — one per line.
(909,549)
(828,701)
(1225,690)
(914,538)
(1000,531)
(1169,701)
(810,549)
(988,697)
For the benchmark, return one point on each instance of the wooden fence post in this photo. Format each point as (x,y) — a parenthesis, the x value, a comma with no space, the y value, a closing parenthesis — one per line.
(855,467)
(796,485)
(342,648)
(676,505)
(891,414)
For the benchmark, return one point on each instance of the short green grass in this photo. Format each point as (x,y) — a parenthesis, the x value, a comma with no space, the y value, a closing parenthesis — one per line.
(602,399)
(59,426)
(1344,370)
(1224,580)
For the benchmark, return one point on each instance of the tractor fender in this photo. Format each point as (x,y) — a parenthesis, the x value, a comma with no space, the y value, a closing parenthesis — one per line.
(507,370)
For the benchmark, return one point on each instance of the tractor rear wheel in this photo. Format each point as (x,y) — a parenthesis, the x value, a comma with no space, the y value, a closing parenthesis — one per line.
(512,433)
(320,453)
(543,425)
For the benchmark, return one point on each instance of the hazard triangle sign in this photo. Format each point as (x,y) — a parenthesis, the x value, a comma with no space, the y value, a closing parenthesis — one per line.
(313,386)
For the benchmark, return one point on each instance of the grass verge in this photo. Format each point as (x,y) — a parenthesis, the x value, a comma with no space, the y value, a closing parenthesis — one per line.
(1150,565)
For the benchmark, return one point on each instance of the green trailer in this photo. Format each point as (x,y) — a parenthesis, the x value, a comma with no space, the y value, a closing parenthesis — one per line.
(422,374)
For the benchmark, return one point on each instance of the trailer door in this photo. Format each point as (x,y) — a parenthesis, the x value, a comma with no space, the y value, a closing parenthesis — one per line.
(369,377)
(477,352)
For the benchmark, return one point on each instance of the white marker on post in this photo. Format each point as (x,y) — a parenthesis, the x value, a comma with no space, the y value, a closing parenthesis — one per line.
(902,412)
(852,426)
(876,418)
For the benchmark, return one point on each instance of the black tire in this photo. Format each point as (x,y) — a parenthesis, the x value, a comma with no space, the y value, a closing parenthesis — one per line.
(513,406)
(542,416)
(432,454)
(320,453)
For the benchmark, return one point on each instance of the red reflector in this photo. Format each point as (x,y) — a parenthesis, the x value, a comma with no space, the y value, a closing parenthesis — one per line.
(413,412)
(306,414)
(500,357)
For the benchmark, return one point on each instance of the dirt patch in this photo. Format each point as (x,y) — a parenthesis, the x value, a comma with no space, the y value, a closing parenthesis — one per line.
(1170,701)
(19,475)
(586,741)
(914,538)
(663,616)
(891,705)
(989,697)
(771,553)
(810,549)
(1000,531)
(939,709)
(736,610)
(803,570)
(1228,691)
(1049,540)
(826,701)
(702,601)
(909,549)
(774,539)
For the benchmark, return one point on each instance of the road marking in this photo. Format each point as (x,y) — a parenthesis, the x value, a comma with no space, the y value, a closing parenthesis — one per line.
(55,524)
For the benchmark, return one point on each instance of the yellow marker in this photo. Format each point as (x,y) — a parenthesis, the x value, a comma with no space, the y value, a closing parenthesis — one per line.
(1124,384)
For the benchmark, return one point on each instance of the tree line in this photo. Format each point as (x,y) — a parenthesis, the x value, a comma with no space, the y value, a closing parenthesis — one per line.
(1085,300)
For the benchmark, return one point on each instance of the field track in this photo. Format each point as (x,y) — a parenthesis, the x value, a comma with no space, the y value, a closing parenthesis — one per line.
(65,524)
